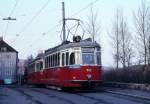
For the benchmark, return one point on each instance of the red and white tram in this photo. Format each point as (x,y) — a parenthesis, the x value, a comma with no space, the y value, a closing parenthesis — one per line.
(75,64)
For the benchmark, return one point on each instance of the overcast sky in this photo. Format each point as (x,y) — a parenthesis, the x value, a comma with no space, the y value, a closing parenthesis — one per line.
(38,22)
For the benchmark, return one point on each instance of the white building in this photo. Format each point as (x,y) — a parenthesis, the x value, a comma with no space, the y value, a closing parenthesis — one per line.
(8,62)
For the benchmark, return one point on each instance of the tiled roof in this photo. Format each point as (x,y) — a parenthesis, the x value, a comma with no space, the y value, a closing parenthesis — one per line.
(4,44)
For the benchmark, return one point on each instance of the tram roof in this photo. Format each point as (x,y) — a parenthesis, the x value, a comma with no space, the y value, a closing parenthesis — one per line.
(83,43)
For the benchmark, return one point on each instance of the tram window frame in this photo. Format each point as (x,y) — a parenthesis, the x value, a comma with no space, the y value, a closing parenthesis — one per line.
(31,68)
(55,60)
(98,57)
(45,62)
(72,60)
(41,65)
(78,57)
(58,59)
(62,61)
(37,67)
(67,58)
(50,60)
(88,55)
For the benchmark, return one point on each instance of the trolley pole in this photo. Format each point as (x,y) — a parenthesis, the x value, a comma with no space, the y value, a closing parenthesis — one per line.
(64,19)
(64,22)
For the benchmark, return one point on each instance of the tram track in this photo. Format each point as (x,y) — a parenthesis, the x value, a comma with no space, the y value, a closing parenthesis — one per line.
(98,101)
(126,96)
(28,96)
(93,98)
(54,96)
(129,95)
(122,95)
(58,95)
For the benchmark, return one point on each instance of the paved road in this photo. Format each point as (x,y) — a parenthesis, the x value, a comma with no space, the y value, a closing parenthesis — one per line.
(34,95)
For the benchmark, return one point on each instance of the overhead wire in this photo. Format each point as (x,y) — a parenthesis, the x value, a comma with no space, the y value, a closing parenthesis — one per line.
(91,3)
(82,9)
(45,33)
(11,13)
(34,17)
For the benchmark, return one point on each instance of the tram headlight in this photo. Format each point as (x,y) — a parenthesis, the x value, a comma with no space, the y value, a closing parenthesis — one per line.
(89,76)
(88,70)
(74,77)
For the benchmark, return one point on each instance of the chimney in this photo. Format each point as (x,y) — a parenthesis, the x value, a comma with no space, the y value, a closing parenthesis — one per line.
(1,38)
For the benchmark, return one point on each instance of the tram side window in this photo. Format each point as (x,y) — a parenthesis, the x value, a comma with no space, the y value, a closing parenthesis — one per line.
(58,59)
(67,58)
(63,57)
(41,65)
(51,61)
(45,62)
(98,58)
(55,59)
(37,66)
(72,58)
(48,61)
(31,68)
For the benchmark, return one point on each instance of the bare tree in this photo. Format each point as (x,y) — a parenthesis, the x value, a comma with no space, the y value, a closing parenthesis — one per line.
(149,52)
(114,35)
(93,25)
(121,40)
(126,52)
(142,29)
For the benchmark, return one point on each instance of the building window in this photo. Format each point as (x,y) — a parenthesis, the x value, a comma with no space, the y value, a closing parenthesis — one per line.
(8,56)
(3,49)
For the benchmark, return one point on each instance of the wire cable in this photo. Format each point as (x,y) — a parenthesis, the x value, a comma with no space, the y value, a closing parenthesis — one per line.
(84,8)
(34,17)
(45,33)
(11,13)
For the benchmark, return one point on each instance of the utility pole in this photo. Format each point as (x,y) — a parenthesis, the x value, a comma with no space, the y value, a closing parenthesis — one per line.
(64,19)
(149,52)
(64,22)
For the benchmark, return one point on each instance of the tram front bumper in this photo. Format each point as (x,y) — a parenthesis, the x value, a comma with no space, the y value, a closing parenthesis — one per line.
(85,83)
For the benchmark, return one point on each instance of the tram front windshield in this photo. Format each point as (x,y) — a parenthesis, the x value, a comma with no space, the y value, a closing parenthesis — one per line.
(88,58)
(88,55)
